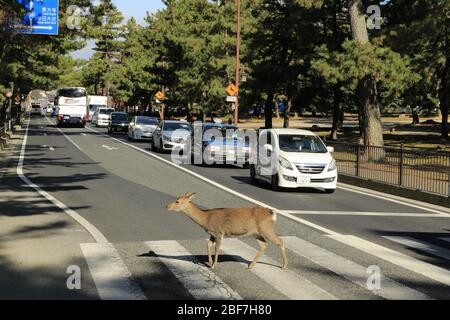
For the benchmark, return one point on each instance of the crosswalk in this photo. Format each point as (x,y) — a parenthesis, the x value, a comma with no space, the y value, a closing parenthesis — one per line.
(202,283)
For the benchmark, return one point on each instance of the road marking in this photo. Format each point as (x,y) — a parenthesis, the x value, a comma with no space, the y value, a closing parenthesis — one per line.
(402,260)
(96,234)
(360,213)
(71,141)
(110,275)
(349,270)
(201,282)
(50,148)
(218,185)
(285,281)
(109,148)
(84,134)
(420,245)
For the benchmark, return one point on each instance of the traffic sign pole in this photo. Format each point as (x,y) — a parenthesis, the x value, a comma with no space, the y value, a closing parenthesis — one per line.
(238,48)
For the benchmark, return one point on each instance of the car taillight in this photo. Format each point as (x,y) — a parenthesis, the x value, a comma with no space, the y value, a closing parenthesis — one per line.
(59,117)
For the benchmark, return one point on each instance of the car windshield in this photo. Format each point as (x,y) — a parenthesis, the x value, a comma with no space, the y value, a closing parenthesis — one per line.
(106,111)
(147,121)
(93,107)
(119,116)
(210,132)
(172,126)
(72,93)
(301,143)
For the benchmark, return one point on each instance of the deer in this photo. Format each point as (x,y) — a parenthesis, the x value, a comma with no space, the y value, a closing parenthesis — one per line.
(232,222)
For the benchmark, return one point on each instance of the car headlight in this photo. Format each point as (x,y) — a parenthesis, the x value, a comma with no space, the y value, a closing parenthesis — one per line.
(332,165)
(167,138)
(285,164)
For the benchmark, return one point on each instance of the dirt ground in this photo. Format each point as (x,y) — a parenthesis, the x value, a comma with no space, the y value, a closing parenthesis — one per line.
(397,130)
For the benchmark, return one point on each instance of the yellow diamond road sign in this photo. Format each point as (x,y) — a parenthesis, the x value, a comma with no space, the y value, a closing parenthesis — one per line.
(232,90)
(160,95)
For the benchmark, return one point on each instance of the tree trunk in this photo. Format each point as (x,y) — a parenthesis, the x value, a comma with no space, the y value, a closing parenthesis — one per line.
(287,114)
(268,111)
(277,110)
(444,92)
(370,112)
(188,113)
(370,117)
(337,124)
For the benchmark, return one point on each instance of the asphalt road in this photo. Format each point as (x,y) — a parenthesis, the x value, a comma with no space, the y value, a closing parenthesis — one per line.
(121,188)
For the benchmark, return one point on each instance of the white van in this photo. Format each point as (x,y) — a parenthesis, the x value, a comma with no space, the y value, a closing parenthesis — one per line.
(102,116)
(95,102)
(293,158)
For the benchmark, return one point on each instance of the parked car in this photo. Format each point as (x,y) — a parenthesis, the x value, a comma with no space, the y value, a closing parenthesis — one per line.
(216,147)
(118,122)
(101,116)
(293,158)
(171,135)
(142,128)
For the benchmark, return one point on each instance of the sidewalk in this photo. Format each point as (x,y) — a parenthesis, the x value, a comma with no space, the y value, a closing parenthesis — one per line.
(38,242)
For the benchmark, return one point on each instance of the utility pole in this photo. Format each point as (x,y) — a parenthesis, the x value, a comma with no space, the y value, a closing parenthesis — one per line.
(238,49)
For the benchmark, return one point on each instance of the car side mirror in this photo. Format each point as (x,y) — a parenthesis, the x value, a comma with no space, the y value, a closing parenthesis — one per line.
(330,149)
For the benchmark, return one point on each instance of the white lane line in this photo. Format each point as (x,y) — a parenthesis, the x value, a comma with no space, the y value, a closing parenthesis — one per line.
(420,245)
(402,260)
(285,281)
(361,213)
(109,148)
(444,239)
(211,182)
(84,134)
(110,275)
(96,234)
(71,141)
(201,282)
(349,270)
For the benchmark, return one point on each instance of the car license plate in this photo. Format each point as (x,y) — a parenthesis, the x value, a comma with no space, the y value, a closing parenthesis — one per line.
(303,180)
(66,117)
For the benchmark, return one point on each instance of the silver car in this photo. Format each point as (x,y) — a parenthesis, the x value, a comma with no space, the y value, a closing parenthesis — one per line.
(171,135)
(142,128)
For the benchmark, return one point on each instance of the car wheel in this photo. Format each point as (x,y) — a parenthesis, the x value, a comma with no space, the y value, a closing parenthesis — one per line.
(274,182)
(253,174)
(330,190)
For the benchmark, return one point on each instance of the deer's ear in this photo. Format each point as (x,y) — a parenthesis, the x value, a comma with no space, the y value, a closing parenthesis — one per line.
(189,195)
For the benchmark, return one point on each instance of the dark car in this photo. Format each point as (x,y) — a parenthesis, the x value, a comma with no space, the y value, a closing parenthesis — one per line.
(118,122)
(220,144)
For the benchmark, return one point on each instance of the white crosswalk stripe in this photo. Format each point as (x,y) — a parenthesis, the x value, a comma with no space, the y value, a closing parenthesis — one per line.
(349,270)
(110,275)
(201,282)
(420,245)
(402,260)
(287,282)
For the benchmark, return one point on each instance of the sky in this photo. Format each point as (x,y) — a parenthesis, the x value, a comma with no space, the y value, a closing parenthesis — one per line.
(130,8)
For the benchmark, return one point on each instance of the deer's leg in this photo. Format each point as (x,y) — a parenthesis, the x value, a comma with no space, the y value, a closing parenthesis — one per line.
(216,257)
(210,243)
(262,248)
(271,235)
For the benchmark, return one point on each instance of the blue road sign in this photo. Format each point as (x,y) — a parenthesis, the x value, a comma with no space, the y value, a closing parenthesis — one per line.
(41,17)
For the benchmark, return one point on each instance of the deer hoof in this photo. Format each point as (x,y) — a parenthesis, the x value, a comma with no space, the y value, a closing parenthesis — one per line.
(284,266)
(213,266)
(251,266)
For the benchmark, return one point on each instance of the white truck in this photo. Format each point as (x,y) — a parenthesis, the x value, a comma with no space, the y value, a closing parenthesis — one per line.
(72,106)
(95,102)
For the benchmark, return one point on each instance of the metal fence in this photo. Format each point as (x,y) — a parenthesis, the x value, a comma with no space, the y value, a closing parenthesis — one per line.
(419,170)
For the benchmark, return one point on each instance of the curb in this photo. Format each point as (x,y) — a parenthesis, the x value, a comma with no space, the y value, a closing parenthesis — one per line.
(396,190)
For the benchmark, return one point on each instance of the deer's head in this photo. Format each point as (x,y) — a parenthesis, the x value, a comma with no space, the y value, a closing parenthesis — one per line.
(181,202)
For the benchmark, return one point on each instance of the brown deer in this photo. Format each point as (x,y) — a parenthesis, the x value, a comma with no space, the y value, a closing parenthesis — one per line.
(232,222)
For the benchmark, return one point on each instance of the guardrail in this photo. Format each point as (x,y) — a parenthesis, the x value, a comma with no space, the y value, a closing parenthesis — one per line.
(427,171)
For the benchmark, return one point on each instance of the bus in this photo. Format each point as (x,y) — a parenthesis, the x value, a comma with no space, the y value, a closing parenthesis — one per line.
(72,106)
